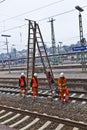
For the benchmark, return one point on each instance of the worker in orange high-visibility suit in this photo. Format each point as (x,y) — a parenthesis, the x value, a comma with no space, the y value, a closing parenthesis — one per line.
(22,84)
(64,93)
(50,78)
(34,84)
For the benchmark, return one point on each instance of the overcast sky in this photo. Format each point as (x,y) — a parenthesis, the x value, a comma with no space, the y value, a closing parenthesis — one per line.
(66,25)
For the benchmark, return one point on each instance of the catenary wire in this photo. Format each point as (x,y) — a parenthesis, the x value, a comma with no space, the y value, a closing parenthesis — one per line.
(2,1)
(46,18)
(45,6)
(56,15)
(66,12)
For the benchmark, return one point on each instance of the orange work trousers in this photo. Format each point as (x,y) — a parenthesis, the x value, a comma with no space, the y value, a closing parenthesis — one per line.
(64,91)
(35,91)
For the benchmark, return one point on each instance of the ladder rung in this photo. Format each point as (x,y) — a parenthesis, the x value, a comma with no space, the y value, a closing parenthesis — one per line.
(30,58)
(38,37)
(31,38)
(30,52)
(30,48)
(30,76)
(31,42)
(30,27)
(31,33)
(30,68)
(40,42)
(30,72)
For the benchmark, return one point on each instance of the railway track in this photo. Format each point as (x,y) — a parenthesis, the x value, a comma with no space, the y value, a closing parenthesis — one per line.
(63,66)
(68,65)
(76,84)
(28,120)
(77,89)
(74,95)
(46,93)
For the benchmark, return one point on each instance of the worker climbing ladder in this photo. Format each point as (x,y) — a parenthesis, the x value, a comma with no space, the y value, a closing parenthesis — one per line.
(35,42)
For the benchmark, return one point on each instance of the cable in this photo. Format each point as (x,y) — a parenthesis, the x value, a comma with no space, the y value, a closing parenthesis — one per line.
(42,8)
(46,18)
(57,15)
(13,28)
(2,1)
(2,45)
(45,6)
(66,12)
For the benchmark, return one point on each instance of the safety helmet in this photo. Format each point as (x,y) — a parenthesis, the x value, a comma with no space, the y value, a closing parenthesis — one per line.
(22,74)
(61,74)
(35,74)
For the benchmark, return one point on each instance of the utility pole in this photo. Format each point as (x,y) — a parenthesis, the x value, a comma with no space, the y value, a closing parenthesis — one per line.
(60,46)
(53,38)
(7,50)
(82,40)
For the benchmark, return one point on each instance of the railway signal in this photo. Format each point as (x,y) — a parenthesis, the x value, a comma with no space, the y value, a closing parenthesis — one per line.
(82,40)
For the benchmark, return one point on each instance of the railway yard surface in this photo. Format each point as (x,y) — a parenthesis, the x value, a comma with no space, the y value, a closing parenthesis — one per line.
(70,70)
(47,112)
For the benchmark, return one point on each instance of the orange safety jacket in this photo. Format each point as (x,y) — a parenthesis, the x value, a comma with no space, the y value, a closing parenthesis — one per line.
(22,82)
(62,82)
(50,78)
(63,87)
(35,83)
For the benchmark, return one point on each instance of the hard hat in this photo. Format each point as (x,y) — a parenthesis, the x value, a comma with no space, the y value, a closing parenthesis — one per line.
(61,74)
(22,74)
(35,74)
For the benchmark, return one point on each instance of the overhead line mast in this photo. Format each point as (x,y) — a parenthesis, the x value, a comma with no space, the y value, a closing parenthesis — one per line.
(53,37)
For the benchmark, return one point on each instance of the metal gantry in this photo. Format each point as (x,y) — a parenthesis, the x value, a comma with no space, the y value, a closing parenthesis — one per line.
(35,42)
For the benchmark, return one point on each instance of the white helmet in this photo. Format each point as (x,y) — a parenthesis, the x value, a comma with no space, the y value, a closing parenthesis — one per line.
(35,74)
(61,74)
(22,74)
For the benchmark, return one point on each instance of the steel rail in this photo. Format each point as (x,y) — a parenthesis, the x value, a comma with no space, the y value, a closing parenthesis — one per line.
(79,66)
(74,80)
(44,80)
(72,84)
(56,119)
(43,95)
(42,88)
